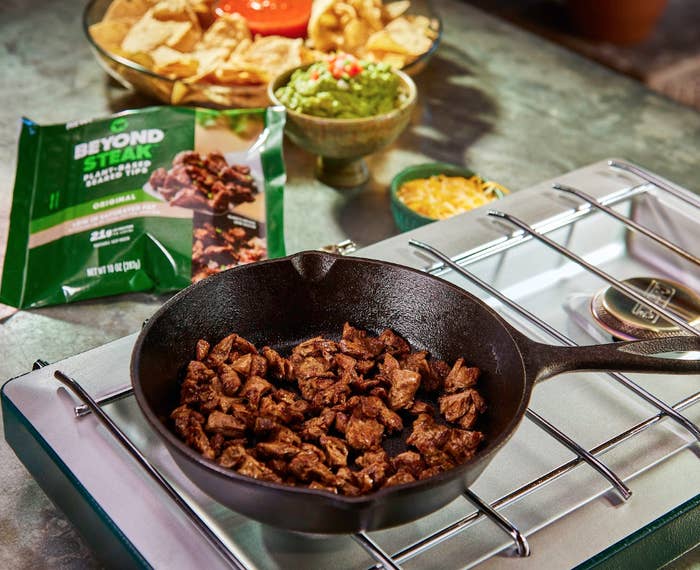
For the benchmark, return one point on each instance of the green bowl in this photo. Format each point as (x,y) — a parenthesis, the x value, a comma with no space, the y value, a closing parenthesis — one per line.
(407,219)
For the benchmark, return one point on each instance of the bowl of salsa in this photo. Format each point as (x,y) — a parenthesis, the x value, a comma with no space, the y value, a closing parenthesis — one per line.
(288,18)
(343,109)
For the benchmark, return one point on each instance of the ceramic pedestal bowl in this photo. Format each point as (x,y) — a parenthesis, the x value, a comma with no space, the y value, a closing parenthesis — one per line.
(341,144)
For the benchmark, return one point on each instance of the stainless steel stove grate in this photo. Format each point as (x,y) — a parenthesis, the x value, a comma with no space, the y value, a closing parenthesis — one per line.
(591,457)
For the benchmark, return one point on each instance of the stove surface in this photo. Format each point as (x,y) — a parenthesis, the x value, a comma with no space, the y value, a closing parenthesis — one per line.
(567,510)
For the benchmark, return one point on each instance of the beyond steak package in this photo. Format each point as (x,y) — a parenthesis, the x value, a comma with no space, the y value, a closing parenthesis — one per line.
(147,200)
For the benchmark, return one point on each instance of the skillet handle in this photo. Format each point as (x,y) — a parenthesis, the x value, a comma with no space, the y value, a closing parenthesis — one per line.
(635,356)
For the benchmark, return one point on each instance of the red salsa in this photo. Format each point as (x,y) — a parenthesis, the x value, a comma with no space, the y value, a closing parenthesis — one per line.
(271,17)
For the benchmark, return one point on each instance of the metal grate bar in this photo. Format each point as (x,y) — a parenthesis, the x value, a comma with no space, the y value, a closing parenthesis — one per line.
(522,546)
(375,551)
(618,285)
(656,181)
(617,483)
(121,437)
(641,392)
(458,526)
(108,398)
(560,221)
(631,224)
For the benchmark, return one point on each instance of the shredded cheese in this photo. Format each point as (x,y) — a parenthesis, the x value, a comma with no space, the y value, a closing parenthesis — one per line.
(440,196)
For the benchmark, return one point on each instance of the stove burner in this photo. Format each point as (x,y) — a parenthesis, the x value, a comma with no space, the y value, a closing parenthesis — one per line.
(626,319)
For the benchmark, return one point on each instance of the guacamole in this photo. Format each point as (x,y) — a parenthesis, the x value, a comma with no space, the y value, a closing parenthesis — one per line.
(342,88)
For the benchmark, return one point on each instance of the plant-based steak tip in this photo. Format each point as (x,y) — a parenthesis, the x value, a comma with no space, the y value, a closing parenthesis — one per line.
(204,182)
(322,417)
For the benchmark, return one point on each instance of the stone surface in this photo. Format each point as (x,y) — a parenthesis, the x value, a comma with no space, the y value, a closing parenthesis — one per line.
(505,103)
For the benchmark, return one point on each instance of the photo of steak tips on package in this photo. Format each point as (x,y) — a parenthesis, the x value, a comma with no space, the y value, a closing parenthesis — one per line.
(147,200)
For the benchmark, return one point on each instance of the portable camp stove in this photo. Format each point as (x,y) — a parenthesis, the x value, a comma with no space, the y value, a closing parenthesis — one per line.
(602,471)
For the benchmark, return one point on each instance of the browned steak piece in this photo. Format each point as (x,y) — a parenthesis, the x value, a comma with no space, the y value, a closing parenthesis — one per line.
(219,353)
(251,467)
(230,380)
(462,407)
(188,424)
(254,388)
(461,377)
(316,427)
(202,349)
(286,435)
(462,444)
(281,368)
(421,407)
(374,407)
(427,434)
(281,412)
(393,343)
(363,433)
(320,487)
(232,456)
(336,450)
(277,449)
(372,456)
(229,426)
(358,344)
(404,385)
(307,466)
(398,478)
(199,372)
(317,346)
(311,367)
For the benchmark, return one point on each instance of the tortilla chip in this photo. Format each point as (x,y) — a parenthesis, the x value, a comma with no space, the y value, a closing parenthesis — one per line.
(355,35)
(383,41)
(272,55)
(324,26)
(400,37)
(172,63)
(142,58)
(393,10)
(208,61)
(240,75)
(240,50)
(228,31)
(178,93)
(110,35)
(187,40)
(344,24)
(209,58)
(176,10)
(205,12)
(395,60)
(149,33)
(370,12)
(127,10)
(202,6)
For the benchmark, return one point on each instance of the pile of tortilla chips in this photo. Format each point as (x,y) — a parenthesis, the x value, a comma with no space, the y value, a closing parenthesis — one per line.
(182,39)
(185,40)
(371,30)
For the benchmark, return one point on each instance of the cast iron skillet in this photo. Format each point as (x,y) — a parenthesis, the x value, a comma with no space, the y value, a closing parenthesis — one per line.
(282,302)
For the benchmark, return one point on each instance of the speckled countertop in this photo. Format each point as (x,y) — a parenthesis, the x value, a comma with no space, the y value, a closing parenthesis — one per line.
(504,102)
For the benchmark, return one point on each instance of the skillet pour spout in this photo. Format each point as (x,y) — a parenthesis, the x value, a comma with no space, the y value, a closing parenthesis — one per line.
(282,302)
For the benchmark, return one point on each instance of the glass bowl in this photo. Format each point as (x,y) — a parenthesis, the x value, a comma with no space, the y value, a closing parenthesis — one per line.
(179,92)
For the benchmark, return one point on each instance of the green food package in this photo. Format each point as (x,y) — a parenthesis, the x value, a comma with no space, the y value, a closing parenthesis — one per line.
(146,200)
